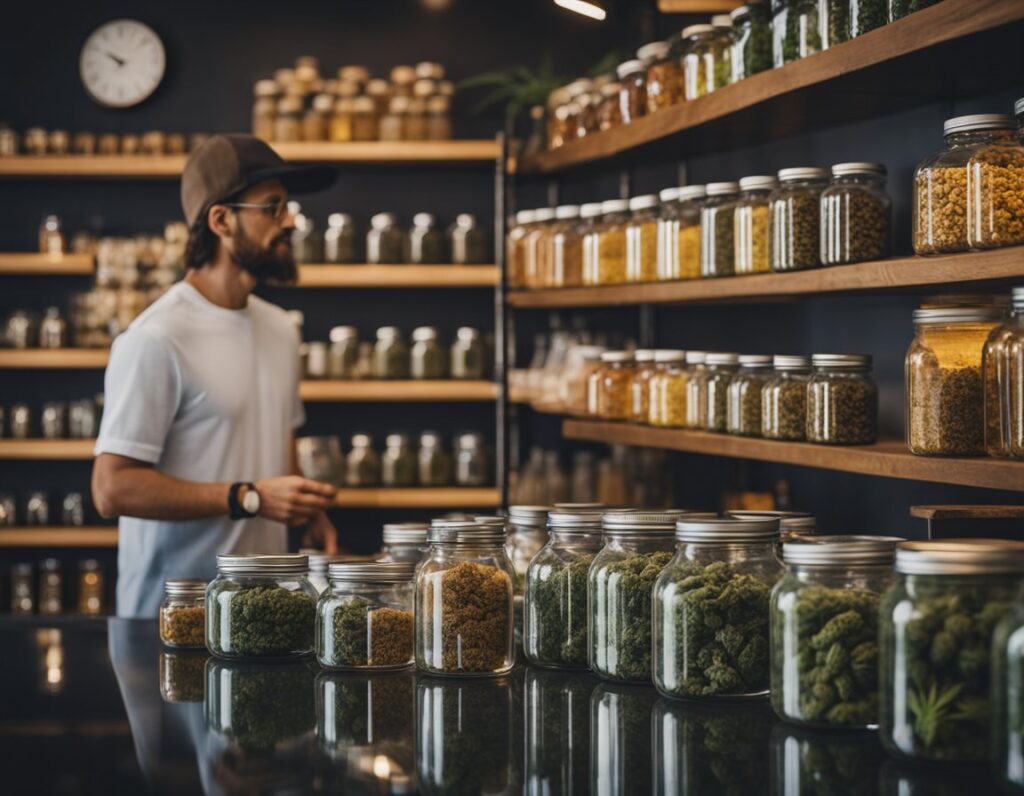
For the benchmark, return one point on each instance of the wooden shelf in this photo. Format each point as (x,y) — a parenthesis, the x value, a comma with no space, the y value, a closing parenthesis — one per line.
(398,390)
(913,60)
(58,536)
(53,358)
(895,274)
(388,276)
(889,459)
(47,449)
(419,498)
(33,264)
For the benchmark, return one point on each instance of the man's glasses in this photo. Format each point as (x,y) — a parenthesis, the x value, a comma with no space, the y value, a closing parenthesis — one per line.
(274,208)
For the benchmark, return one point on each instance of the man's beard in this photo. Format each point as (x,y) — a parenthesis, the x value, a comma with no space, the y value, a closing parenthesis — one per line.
(265,264)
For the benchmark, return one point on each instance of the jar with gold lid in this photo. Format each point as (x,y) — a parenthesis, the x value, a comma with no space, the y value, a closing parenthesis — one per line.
(642,239)
(751,227)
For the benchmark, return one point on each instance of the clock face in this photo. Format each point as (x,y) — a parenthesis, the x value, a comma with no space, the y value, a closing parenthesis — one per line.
(122,63)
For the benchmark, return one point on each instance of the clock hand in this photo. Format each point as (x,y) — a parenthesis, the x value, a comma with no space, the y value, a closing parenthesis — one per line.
(114,58)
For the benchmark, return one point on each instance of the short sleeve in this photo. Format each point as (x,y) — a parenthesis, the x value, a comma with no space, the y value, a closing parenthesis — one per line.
(142,392)
(298,409)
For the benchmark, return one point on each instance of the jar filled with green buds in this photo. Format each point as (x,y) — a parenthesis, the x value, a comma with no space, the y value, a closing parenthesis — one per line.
(794,213)
(717,239)
(784,398)
(427,359)
(398,464)
(390,354)
(855,211)
(743,413)
(842,400)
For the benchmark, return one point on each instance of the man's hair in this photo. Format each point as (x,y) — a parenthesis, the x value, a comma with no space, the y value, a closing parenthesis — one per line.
(202,244)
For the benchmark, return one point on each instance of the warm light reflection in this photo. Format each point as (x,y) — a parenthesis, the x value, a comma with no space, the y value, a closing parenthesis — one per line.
(50,643)
(382,767)
(588,8)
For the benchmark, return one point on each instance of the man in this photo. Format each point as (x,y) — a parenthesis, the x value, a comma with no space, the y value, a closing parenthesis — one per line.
(196,452)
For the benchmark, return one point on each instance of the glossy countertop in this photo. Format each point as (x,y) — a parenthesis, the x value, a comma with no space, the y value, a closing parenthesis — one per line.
(102,707)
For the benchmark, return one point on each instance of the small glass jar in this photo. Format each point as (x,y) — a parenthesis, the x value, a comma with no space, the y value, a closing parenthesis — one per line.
(364,620)
(667,234)
(390,354)
(855,212)
(717,246)
(566,257)
(182,676)
(937,629)
(686,264)
(784,399)
(801,31)
(824,629)
(515,248)
(750,224)
(183,613)
(288,121)
(638,544)
(467,241)
(703,649)
(614,385)
(23,591)
(633,93)
(91,587)
(464,591)
(743,413)
(1003,371)
(842,400)
(468,359)
(439,118)
(365,119)
(260,607)
(590,228)
(51,586)
(404,541)
(527,534)
(700,48)
(945,387)
(343,353)
(340,127)
(611,242)
(835,20)
(640,385)
(427,359)
(555,630)
(795,218)
(752,45)
(425,242)
(340,239)
(537,247)
(714,403)
(392,123)
(721,47)
(664,76)
(472,464)
(317,119)
(434,463)
(696,406)
(609,112)
(318,564)
(362,464)
(668,393)
(10,142)
(642,239)
(398,464)
(901,8)
(384,241)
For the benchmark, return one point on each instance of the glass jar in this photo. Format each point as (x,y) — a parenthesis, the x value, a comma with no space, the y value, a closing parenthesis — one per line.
(752,45)
(439,118)
(835,20)
(22,590)
(615,376)
(425,242)
(638,544)
(717,228)
(182,676)
(318,564)
(937,626)
(1003,370)
(260,607)
(700,51)
(609,112)
(398,464)
(467,355)
(364,618)
(855,211)
(801,34)
(467,241)
(824,629)
(642,239)
(751,229)
(537,247)
(784,399)
(566,257)
(183,613)
(392,123)
(365,119)
(611,242)
(316,120)
(901,8)
(633,94)
(688,214)
(640,385)
(702,649)
(288,123)
(743,413)
(384,241)
(362,465)
(390,354)
(714,403)
(464,592)
(794,215)
(51,586)
(434,463)
(340,128)
(667,234)
(842,400)
(555,631)
(664,76)
(667,399)
(343,353)
(620,740)
(590,228)
(722,49)
(91,587)
(515,248)
(404,541)
(427,359)
(527,534)
(340,239)
(696,406)
(472,465)
(945,389)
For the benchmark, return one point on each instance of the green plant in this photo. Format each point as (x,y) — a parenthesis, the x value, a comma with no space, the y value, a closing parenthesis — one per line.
(518,87)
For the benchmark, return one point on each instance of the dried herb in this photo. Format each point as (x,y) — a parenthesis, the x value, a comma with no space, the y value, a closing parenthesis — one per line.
(183,625)
(370,709)
(557,604)
(795,219)
(900,8)
(182,676)
(940,217)
(946,411)
(262,621)
(717,238)
(801,37)
(867,15)
(558,730)
(842,411)
(716,389)
(855,225)
(744,404)
(837,23)
(784,409)
(364,635)
(265,705)
(752,51)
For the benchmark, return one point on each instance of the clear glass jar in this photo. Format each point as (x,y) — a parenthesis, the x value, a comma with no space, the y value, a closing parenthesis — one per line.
(398,464)
(260,607)
(614,379)
(537,247)
(722,49)
(318,564)
(784,399)
(700,649)
(752,45)
(609,112)
(743,413)
(91,587)
(700,50)
(527,534)
(464,591)
(667,389)
(642,239)
(801,31)
(714,403)
(667,234)
(1008,695)
(467,355)
(945,389)
(620,739)
(855,212)
(390,354)
(182,676)
(640,385)
(51,586)
(435,464)
(795,218)
(1003,371)
(664,76)
(633,94)
(696,407)
(555,631)
(590,226)
(611,242)
(515,248)
(638,545)
(425,242)
(751,229)
(937,627)
(384,240)
(340,239)
(566,257)
(472,464)
(806,760)
(362,464)
(183,613)
(824,629)
(834,16)
(842,400)
(427,360)
(467,241)
(343,353)
(901,8)
(557,730)
(404,542)
(717,246)
(364,618)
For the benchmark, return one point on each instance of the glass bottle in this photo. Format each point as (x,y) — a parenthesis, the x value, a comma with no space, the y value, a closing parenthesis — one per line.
(717,230)
(51,236)
(743,414)
(566,257)
(425,242)
(664,76)
(784,398)
(752,45)
(633,94)
(183,613)
(751,227)
(855,212)
(439,118)
(316,120)
(590,226)
(404,541)
(614,383)
(640,385)
(835,21)
(340,239)
(390,354)
(392,123)
(467,241)
(1003,371)
(287,123)
(642,239)
(398,464)
(343,353)
(365,119)
(340,128)
(536,247)
(842,400)
(384,241)
(362,464)
(795,218)
(611,242)
(22,590)
(714,404)
(667,234)
(264,109)
(427,359)
(434,463)
(51,587)
(699,56)
(472,465)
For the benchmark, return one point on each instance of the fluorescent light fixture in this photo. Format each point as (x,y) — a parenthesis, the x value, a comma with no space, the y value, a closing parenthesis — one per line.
(589,8)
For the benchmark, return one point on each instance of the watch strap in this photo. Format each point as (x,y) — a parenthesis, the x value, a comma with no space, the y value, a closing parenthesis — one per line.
(235,509)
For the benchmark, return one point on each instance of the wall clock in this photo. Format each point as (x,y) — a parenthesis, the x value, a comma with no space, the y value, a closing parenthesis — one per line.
(122,63)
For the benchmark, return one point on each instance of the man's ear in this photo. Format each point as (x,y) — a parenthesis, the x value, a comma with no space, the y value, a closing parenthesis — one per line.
(218,218)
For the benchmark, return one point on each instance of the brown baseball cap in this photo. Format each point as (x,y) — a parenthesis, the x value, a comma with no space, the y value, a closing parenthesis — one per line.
(226,164)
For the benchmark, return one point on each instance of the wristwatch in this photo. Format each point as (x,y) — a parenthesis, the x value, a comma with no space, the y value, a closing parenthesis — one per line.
(248,507)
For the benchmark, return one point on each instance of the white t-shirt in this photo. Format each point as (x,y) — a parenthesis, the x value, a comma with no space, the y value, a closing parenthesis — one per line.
(208,394)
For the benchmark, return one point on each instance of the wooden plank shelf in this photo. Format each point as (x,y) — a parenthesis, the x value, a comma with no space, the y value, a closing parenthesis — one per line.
(391,276)
(418,498)
(915,59)
(53,358)
(891,275)
(59,536)
(46,449)
(887,458)
(36,264)
(410,390)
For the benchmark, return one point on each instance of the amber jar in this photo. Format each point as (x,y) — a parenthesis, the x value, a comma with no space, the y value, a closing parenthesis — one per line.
(515,248)
(611,242)
(614,380)
(664,77)
(287,124)
(392,124)
(1004,384)
(691,204)
(566,257)
(609,112)
(640,386)
(364,119)
(633,94)
(414,124)
(316,121)
(717,246)
(439,118)
(750,224)
(341,120)
(537,248)
(642,239)
(590,225)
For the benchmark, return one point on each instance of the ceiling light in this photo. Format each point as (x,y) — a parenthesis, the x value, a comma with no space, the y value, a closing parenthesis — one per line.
(595,9)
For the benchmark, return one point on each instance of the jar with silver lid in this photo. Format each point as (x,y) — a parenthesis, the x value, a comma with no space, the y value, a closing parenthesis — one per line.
(824,629)
(390,354)
(434,463)
(720,368)
(855,212)
(938,623)
(842,400)
(398,464)
(743,413)
(701,649)
(21,424)
(384,241)
(467,241)
(261,607)
(717,229)
(343,353)
(527,534)
(183,613)
(791,523)
(427,359)
(318,563)
(472,465)
(467,354)
(794,210)
(53,422)
(340,239)
(425,242)
(784,398)
(53,330)
(751,226)
(362,465)
(404,541)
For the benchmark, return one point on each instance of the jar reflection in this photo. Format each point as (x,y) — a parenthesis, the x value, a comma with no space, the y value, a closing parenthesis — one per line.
(182,675)
(620,739)
(899,778)
(557,730)
(807,761)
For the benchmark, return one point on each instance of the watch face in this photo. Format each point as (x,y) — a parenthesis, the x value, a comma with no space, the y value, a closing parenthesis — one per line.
(251,501)
(122,63)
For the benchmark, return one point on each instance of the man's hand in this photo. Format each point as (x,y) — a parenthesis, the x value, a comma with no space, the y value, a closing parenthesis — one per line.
(321,534)
(292,499)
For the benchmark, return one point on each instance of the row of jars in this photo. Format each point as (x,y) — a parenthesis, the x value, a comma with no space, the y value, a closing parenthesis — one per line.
(57,419)
(40,141)
(391,357)
(799,219)
(69,509)
(44,594)
(825,398)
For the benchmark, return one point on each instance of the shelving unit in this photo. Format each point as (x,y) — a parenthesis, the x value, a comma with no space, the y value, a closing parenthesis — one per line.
(46,449)
(398,391)
(419,498)
(59,536)
(33,264)
(53,358)
(395,276)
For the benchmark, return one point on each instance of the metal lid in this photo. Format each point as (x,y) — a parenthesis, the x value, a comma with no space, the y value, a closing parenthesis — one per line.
(1018,107)
(696,30)
(318,562)
(341,333)
(524,217)
(628,68)
(832,551)
(755,360)
(670,355)
(736,13)
(184,587)
(580,506)
(388,331)
(590,210)
(640,522)
(563,212)
(790,521)
(467,334)
(372,572)
(722,188)
(696,357)
(491,520)
(643,202)
(536,516)
(617,356)
(760,182)
(727,529)
(653,51)
(859,167)
(396,439)
(802,173)
(943,315)
(339,219)
(259,564)
(978,121)
(542,214)
(464,532)
(791,362)
(721,358)
(668,194)
(582,518)
(960,557)
(424,333)
(844,361)
(614,206)
(1017,297)
(644,355)
(689,192)
(411,533)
